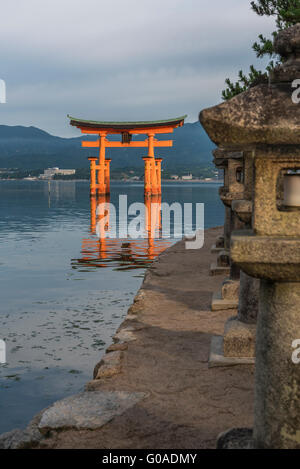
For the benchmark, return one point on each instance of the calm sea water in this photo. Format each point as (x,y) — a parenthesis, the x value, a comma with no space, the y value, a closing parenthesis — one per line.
(64,292)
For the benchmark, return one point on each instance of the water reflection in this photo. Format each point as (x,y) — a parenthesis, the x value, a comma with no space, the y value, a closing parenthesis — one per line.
(101,250)
(55,190)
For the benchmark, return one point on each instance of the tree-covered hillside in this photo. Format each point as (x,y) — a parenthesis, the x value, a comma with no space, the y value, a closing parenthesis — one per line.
(32,148)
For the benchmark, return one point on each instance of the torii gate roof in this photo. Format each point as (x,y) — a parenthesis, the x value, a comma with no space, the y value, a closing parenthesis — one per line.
(121,126)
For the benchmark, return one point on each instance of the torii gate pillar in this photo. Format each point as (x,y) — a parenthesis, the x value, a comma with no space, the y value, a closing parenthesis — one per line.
(107,175)
(93,184)
(101,167)
(158,174)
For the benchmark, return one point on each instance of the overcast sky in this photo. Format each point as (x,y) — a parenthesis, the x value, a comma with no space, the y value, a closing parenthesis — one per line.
(120,59)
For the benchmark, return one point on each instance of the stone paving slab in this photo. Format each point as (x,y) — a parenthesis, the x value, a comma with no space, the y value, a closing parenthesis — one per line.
(220,304)
(215,269)
(87,410)
(216,356)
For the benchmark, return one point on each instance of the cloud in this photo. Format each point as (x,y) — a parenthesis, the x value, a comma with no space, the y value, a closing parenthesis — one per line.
(138,59)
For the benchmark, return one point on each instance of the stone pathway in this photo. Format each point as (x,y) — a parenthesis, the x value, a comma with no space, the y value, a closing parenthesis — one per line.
(153,388)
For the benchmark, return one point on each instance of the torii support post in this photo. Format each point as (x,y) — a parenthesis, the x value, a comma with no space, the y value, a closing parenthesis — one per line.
(152,221)
(147,177)
(101,168)
(103,213)
(152,163)
(93,204)
(107,176)
(93,185)
(158,174)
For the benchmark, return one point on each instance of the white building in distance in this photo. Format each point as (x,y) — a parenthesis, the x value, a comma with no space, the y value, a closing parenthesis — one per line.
(51,172)
(188,177)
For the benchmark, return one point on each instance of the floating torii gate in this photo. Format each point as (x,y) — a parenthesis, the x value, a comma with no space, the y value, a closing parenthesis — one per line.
(100,171)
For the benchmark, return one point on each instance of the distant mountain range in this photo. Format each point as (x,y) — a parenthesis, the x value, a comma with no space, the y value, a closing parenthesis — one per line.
(32,148)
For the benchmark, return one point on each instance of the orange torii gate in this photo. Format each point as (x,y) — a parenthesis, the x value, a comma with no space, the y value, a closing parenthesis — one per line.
(100,171)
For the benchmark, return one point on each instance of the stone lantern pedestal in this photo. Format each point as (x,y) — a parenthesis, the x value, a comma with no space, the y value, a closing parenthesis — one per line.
(219,245)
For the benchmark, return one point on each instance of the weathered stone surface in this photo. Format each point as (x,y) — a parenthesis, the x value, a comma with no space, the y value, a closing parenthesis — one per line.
(236,438)
(239,339)
(126,334)
(109,365)
(252,118)
(87,410)
(227,197)
(220,242)
(232,164)
(11,440)
(243,209)
(218,303)
(217,270)
(235,224)
(227,227)
(93,385)
(223,259)
(135,308)
(249,299)
(214,249)
(272,258)
(270,217)
(22,439)
(230,289)
(116,347)
(287,44)
(138,302)
(277,400)
(228,297)
(221,156)
(217,357)
(130,317)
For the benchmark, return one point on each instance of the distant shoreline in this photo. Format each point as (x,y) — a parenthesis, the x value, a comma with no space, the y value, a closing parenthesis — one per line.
(214,181)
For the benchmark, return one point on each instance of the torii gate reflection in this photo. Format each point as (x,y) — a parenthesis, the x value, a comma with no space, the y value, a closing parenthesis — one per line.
(124,254)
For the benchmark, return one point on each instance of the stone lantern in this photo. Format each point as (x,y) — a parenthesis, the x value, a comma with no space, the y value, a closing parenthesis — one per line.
(249,286)
(267,121)
(223,241)
(232,188)
(232,162)
(237,345)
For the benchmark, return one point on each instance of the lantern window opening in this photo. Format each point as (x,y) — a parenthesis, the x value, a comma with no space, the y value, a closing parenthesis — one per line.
(288,190)
(239,175)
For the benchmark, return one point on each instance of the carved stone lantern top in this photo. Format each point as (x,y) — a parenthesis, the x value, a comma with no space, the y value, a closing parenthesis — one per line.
(232,163)
(287,44)
(264,114)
